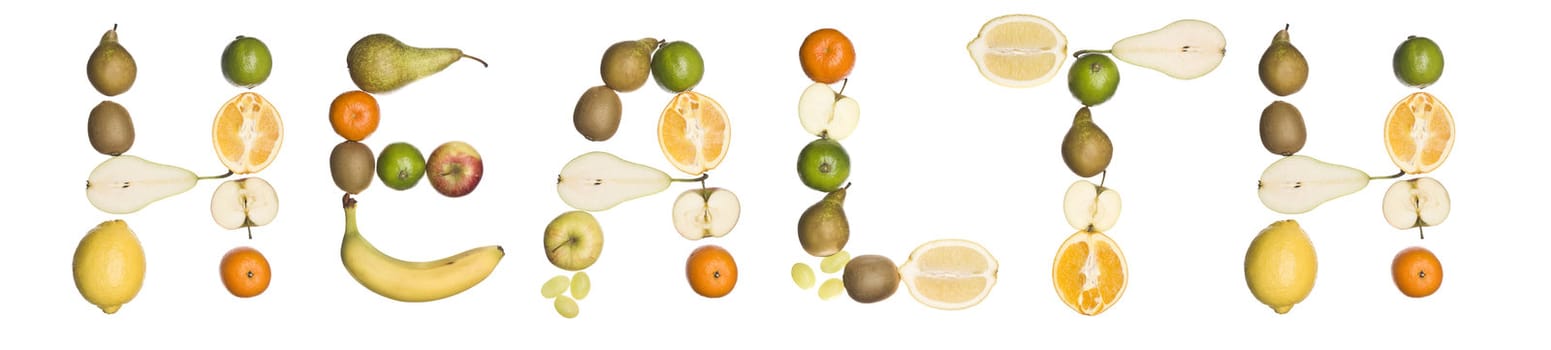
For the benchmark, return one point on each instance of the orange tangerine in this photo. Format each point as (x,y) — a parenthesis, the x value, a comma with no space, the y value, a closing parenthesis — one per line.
(1090,272)
(1419,133)
(247,133)
(693,132)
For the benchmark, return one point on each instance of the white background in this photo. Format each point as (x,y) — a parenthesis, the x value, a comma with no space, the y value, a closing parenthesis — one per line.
(940,153)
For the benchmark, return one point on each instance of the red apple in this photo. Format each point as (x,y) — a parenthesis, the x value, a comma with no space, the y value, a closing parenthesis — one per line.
(454,169)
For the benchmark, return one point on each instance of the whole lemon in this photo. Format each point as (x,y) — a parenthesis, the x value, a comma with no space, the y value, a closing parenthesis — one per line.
(109,265)
(1280,266)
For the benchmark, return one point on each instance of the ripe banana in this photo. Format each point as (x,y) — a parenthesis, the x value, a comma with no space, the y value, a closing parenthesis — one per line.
(412,281)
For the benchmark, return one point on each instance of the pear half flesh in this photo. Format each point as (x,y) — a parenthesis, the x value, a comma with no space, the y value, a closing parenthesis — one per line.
(125,184)
(1297,184)
(1185,49)
(597,181)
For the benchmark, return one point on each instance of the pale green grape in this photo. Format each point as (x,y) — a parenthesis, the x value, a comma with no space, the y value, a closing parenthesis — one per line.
(580,285)
(566,307)
(803,275)
(831,288)
(555,286)
(835,262)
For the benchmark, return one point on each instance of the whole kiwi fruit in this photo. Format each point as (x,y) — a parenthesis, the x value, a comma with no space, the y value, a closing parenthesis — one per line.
(353,167)
(1086,150)
(1281,128)
(597,113)
(111,69)
(870,278)
(109,129)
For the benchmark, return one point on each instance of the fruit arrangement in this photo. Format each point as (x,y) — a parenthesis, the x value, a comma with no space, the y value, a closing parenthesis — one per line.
(693,133)
(1418,135)
(1021,50)
(247,134)
(380,64)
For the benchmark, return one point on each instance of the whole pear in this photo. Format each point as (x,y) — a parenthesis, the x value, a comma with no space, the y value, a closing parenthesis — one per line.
(380,63)
(627,64)
(111,69)
(823,229)
(1282,67)
(1086,148)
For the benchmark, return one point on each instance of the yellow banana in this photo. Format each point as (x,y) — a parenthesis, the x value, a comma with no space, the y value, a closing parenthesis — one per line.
(412,281)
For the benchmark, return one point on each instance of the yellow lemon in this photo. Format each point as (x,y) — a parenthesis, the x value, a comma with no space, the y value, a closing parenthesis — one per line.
(109,265)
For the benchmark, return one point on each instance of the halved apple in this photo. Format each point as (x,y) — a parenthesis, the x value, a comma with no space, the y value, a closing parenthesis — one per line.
(1091,208)
(244,203)
(826,112)
(708,212)
(1416,202)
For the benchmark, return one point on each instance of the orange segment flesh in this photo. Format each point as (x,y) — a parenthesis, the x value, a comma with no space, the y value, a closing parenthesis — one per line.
(1419,133)
(1089,272)
(693,132)
(247,133)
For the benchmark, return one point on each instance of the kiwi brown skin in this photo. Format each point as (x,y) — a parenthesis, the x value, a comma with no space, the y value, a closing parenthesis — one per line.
(352,166)
(110,129)
(1282,130)
(870,278)
(597,113)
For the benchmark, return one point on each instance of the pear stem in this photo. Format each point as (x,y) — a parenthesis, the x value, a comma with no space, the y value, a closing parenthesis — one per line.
(222,176)
(1396,176)
(1079,53)
(700,179)
(115,27)
(487,65)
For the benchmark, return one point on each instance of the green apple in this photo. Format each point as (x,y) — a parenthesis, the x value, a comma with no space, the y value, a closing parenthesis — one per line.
(573,240)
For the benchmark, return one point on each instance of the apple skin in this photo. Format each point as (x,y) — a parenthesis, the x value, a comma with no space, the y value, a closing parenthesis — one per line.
(454,169)
(573,241)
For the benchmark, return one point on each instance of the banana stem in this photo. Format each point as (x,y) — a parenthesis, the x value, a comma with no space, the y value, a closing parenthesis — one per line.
(1396,176)
(1079,53)
(222,176)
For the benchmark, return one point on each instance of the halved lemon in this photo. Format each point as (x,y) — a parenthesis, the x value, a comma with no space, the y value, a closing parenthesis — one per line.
(1089,272)
(247,133)
(1419,133)
(1019,50)
(949,274)
(693,132)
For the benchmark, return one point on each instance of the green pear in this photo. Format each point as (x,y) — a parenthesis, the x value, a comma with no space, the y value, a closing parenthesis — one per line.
(380,63)
(1297,184)
(597,181)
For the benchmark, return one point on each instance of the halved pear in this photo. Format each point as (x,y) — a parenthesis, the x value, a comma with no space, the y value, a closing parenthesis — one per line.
(824,111)
(1418,202)
(244,203)
(125,184)
(1184,49)
(705,212)
(597,181)
(1297,184)
(1091,208)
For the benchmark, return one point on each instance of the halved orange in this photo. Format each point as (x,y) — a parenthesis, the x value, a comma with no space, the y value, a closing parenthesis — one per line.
(247,133)
(1090,272)
(1419,133)
(693,132)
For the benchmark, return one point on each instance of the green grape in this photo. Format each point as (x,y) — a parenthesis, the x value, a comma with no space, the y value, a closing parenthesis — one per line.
(831,288)
(566,307)
(835,262)
(555,286)
(580,285)
(803,275)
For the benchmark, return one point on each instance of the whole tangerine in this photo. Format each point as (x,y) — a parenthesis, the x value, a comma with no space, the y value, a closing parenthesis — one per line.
(827,56)
(1417,272)
(245,272)
(711,271)
(354,115)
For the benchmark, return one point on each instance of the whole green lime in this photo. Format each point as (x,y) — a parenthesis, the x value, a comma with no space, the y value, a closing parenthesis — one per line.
(246,62)
(1418,62)
(1093,79)
(400,166)
(824,165)
(677,66)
